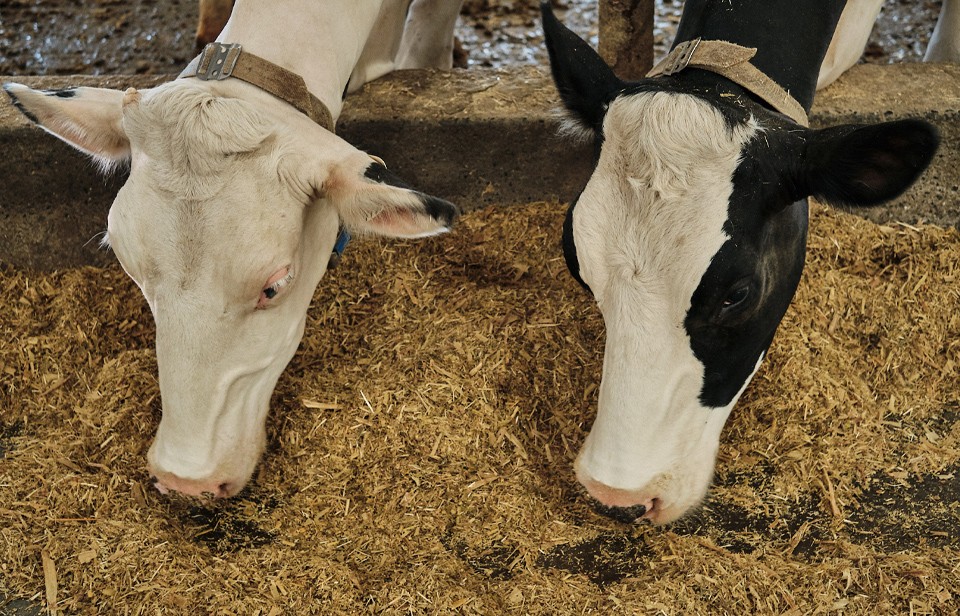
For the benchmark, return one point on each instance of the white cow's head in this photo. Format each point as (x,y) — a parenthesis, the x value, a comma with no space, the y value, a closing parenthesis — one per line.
(691,235)
(226,224)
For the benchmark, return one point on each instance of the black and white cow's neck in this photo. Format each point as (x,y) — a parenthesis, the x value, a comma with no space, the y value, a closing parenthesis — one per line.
(791,39)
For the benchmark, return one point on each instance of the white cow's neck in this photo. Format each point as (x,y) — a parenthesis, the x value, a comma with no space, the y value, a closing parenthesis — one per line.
(319,41)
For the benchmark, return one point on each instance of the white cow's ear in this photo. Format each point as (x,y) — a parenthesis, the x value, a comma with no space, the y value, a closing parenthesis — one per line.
(89,119)
(371,199)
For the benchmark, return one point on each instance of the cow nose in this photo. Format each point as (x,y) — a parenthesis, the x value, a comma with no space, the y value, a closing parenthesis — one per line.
(626,515)
(622,505)
(204,488)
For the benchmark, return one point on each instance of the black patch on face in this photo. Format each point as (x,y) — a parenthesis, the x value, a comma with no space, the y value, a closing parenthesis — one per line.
(436,208)
(570,247)
(765,255)
(16,103)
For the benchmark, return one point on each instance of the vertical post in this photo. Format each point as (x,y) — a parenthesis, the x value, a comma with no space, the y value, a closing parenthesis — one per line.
(626,36)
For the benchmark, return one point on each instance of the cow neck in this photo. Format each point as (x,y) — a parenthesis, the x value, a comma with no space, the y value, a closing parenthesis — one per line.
(221,61)
(791,39)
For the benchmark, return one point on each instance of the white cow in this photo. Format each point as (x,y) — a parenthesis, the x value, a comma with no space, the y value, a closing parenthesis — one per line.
(233,205)
(854,28)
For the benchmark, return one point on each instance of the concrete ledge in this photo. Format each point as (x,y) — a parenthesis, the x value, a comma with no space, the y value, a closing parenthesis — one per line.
(54,202)
(476,137)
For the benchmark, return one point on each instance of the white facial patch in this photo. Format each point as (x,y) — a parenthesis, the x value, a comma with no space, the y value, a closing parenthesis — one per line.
(646,227)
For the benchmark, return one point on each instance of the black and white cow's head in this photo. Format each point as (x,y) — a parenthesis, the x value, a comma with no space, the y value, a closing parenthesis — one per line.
(691,236)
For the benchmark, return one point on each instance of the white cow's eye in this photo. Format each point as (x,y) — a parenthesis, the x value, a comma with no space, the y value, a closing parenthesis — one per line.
(275,284)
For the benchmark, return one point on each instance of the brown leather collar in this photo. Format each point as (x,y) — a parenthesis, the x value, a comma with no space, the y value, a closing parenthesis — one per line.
(733,62)
(222,60)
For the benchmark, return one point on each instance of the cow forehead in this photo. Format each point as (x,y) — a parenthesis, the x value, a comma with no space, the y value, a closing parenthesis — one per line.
(655,208)
(206,198)
(193,140)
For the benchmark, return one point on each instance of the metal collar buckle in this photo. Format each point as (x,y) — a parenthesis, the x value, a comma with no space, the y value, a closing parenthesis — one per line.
(217,61)
(679,58)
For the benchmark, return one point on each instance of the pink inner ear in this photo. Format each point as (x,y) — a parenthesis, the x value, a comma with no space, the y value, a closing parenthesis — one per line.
(396,221)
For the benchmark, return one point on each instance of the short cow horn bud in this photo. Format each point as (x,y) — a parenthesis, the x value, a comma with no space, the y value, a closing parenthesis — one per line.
(131,97)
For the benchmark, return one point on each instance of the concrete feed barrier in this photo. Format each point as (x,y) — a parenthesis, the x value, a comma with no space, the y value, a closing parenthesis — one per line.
(476,137)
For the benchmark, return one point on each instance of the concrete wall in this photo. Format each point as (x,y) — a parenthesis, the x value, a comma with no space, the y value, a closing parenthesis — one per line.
(477,137)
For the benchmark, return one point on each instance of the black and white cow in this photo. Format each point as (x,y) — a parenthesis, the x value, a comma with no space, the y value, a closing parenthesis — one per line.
(691,233)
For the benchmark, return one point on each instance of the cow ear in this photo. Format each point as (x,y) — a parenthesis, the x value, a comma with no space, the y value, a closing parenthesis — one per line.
(584,81)
(865,165)
(371,199)
(89,119)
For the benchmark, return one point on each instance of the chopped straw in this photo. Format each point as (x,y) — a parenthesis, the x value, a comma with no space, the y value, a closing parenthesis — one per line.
(420,445)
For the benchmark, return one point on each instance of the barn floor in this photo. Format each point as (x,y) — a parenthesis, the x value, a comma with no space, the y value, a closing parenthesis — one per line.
(126,37)
(421,442)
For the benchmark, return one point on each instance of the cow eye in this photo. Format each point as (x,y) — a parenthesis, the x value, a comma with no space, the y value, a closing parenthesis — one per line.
(275,284)
(736,296)
(737,299)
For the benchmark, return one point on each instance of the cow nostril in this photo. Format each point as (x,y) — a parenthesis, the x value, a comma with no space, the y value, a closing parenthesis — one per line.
(626,515)
(159,485)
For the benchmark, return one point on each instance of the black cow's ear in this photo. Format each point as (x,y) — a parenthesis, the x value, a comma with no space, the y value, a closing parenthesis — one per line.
(584,81)
(865,165)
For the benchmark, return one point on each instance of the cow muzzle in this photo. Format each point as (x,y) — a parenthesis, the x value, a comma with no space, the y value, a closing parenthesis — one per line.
(627,506)
(202,488)
(204,467)
(657,488)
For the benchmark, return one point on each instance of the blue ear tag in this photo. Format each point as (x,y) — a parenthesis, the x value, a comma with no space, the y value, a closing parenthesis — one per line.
(343,238)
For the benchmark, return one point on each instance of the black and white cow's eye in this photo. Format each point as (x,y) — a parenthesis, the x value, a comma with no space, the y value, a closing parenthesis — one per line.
(737,299)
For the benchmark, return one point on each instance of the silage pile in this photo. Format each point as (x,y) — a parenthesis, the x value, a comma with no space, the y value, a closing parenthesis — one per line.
(421,444)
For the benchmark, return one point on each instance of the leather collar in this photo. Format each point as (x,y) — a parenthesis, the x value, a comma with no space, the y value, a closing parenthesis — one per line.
(220,61)
(733,62)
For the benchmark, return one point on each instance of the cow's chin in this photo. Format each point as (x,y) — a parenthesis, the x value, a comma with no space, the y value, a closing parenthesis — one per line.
(212,433)
(666,469)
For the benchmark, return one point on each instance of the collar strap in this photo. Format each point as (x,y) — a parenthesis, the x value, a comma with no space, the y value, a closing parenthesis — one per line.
(733,62)
(220,61)
(343,238)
